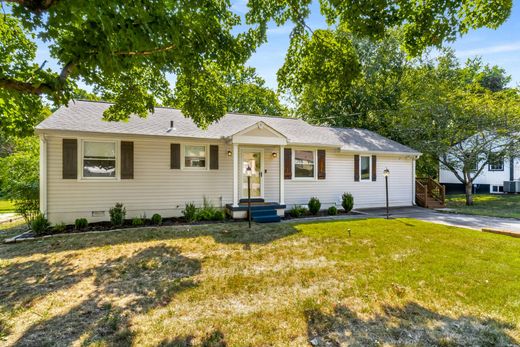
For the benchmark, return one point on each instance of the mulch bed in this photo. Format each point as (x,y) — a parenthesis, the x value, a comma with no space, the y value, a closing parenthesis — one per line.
(322,213)
(172,221)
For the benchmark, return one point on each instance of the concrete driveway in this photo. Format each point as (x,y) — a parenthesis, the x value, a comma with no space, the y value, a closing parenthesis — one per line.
(459,220)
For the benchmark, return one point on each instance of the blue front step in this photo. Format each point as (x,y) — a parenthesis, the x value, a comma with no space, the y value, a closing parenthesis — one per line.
(264,214)
(266,219)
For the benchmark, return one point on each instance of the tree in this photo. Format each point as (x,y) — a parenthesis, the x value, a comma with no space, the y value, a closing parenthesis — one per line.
(363,102)
(127,49)
(447,114)
(247,93)
(19,177)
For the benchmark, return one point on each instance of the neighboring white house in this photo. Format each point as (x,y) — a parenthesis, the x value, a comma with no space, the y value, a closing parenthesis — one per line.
(490,180)
(159,163)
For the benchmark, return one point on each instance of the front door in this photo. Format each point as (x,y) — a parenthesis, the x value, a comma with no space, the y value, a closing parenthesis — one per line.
(254,160)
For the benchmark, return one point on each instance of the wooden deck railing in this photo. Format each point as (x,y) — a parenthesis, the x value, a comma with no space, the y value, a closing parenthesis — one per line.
(427,189)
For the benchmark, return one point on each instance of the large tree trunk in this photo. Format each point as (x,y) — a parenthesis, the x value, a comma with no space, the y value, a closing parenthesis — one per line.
(469,193)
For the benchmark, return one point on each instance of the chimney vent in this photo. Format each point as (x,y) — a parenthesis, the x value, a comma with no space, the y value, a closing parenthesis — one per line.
(172,126)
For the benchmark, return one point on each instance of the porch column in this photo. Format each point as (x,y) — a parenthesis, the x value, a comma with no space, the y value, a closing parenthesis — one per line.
(282,178)
(235,175)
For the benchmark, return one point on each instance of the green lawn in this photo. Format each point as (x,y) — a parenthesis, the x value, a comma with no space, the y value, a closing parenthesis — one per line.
(494,205)
(393,282)
(6,206)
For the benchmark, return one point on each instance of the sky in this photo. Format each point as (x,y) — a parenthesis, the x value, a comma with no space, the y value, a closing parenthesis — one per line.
(496,47)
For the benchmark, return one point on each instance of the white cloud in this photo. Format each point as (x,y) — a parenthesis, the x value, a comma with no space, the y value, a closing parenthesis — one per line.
(503,48)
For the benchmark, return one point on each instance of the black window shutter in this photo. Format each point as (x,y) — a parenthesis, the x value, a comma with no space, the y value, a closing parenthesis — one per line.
(127,160)
(175,156)
(287,163)
(374,168)
(70,158)
(321,164)
(213,157)
(356,168)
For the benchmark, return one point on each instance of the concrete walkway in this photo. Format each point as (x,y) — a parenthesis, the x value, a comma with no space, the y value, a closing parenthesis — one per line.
(459,220)
(8,217)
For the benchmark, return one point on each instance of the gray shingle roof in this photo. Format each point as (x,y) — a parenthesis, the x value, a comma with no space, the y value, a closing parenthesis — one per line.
(86,116)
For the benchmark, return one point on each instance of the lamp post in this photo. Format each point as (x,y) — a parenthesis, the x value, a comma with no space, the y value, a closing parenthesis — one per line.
(386,172)
(248,173)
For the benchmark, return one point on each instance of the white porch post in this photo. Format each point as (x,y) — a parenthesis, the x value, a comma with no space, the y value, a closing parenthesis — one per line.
(43,175)
(282,178)
(235,174)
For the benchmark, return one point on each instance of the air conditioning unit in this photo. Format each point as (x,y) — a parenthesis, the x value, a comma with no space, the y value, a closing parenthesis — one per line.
(511,186)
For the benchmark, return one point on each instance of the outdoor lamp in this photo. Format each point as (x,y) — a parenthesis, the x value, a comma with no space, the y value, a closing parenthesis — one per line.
(386,172)
(248,173)
(229,153)
(274,154)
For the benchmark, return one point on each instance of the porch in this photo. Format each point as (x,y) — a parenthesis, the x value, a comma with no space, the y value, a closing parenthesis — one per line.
(260,148)
(261,211)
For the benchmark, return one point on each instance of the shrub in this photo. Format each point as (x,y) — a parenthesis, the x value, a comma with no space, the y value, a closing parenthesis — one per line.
(156,219)
(137,221)
(219,215)
(347,201)
(332,211)
(40,224)
(60,227)
(209,212)
(19,177)
(297,211)
(80,223)
(28,209)
(117,214)
(190,212)
(314,205)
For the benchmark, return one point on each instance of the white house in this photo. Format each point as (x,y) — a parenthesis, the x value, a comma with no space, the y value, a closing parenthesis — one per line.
(159,163)
(490,180)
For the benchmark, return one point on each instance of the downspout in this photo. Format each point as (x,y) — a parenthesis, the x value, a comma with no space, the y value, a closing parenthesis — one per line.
(43,175)
(511,168)
(413,180)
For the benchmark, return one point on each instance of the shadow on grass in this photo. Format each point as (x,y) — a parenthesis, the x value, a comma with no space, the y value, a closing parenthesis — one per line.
(408,325)
(123,286)
(213,339)
(23,283)
(228,233)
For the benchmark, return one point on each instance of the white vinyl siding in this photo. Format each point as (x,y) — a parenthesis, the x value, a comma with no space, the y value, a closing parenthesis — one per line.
(340,179)
(158,189)
(155,187)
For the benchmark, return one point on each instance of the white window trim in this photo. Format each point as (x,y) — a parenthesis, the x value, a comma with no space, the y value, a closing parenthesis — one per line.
(495,170)
(369,168)
(117,144)
(206,157)
(315,157)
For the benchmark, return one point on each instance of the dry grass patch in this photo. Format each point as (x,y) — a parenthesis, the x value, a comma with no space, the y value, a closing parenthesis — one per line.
(391,282)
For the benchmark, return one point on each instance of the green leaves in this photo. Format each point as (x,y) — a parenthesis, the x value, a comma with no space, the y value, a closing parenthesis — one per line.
(105,43)
(323,66)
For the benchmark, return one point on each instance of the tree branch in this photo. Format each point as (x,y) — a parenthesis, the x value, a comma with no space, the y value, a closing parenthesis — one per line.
(26,87)
(65,72)
(153,51)
(36,6)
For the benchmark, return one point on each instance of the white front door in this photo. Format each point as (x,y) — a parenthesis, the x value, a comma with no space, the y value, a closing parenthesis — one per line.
(255,160)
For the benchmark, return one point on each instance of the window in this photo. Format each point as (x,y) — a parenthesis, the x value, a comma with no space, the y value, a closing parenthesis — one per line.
(303,164)
(195,156)
(99,159)
(496,165)
(497,189)
(364,168)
